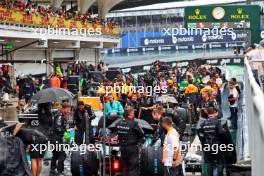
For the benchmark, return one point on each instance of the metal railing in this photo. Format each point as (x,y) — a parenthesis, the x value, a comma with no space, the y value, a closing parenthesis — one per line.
(254,108)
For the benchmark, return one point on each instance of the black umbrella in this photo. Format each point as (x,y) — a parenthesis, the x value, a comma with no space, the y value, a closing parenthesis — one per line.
(51,95)
(142,123)
(167,99)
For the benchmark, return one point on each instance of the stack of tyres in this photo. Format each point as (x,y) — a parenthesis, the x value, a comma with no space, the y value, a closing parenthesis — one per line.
(151,161)
(84,164)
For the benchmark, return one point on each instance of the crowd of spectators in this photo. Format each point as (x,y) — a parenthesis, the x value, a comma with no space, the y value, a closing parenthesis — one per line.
(47,11)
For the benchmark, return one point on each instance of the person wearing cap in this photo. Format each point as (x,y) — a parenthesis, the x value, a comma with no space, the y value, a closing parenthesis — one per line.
(171,156)
(80,120)
(59,128)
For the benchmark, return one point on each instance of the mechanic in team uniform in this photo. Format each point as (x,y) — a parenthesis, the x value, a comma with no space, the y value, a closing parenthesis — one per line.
(80,122)
(210,134)
(130,136)
(59,128)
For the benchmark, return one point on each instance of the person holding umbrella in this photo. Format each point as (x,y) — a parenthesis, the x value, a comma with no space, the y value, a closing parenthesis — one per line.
(45,123)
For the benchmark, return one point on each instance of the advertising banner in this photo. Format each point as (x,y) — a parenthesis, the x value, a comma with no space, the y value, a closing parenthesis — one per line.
(183,40)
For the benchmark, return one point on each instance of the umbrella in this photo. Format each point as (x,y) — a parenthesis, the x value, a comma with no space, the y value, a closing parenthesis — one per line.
(167,99)
(142,124)
(51,95)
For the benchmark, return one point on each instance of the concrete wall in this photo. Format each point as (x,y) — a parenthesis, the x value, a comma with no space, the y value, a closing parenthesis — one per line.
(88,55)
(84,54)
(63,54)
(29,68)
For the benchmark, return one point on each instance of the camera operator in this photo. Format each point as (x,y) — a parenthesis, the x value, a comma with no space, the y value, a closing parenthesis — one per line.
(80,120)
(59,128)
(210,135)
(130,135)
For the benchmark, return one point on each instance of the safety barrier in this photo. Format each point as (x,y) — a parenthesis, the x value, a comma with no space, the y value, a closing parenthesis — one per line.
(254,108)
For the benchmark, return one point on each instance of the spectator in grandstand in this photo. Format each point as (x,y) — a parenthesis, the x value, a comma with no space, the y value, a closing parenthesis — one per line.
(29,8)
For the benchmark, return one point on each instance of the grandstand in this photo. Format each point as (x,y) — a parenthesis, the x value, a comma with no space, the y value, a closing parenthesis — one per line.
(144,22)
(45,32)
